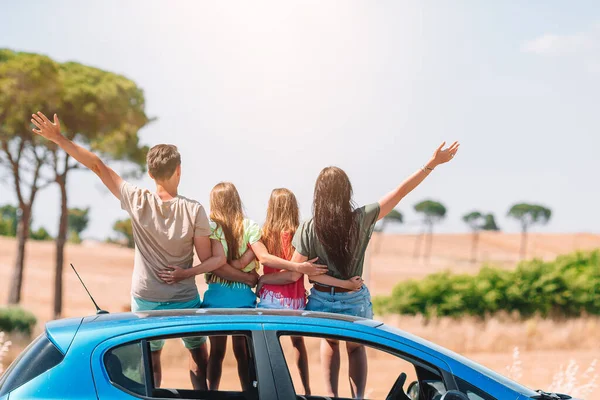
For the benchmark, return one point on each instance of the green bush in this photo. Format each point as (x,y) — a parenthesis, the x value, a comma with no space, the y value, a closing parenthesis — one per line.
(568,286)
(15,319)
(40,234)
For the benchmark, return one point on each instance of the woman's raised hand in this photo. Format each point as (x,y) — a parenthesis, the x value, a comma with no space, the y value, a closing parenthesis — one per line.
(441,155)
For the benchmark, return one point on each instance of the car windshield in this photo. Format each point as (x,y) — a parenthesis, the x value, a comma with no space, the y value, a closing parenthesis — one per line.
(517,387)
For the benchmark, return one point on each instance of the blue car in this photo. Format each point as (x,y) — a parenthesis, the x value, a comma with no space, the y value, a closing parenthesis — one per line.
(108,357)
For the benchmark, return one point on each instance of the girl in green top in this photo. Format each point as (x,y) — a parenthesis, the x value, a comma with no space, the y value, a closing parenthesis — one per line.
(240,240)
(338,235)
(236,234)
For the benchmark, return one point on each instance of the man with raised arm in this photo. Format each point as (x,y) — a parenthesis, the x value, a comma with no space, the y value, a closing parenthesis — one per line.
(166,229)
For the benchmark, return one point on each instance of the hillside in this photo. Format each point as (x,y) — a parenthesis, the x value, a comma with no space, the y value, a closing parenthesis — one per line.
(106,268)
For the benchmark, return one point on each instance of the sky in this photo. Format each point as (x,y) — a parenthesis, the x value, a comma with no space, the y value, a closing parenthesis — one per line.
(266,93)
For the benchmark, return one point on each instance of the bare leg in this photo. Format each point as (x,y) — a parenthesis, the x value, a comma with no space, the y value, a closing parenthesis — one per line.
(156,367)
(330,362)
(357,365)
(218,346)
(198,364)
(241,355)
(302,362)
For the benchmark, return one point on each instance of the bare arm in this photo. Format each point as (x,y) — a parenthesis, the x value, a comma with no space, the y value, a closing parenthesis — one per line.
(211,258)
(235,275)
(351,284)
(280,278)
(304,267)
(391,200)
(244,260)
(51,131)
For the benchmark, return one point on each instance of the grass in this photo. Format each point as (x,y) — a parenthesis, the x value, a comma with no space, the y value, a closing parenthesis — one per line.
(568,380)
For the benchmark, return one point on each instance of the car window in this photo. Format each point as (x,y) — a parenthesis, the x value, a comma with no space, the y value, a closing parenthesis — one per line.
(471,391)
(37,358)
(385,371)
(223,365)
(125,367)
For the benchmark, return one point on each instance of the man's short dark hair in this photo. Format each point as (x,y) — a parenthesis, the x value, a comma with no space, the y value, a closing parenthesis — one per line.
(163,160)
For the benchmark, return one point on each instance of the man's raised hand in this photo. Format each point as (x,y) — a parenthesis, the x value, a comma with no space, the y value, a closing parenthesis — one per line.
(47,129)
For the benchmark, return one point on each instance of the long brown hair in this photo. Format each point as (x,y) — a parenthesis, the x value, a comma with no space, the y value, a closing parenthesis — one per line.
(334,217)
(227,212)
(283,215)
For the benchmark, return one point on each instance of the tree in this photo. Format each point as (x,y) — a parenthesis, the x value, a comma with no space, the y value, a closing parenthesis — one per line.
(528,215)
(475,220)
(99,109)
(8,220)
(27,82)
(490,223)
(78,221)
(479,222)
(394,216)
(124,228)
(104,111)
(433,212)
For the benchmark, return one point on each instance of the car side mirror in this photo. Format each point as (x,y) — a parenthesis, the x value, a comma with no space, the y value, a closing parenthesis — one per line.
(413,390)
(454,395)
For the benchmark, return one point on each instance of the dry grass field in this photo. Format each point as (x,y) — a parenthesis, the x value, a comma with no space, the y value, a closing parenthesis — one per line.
(544,345)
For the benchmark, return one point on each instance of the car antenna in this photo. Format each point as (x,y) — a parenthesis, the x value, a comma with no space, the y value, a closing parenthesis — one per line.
(98,310)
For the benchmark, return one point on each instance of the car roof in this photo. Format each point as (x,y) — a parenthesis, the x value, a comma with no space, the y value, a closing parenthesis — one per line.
(218,315)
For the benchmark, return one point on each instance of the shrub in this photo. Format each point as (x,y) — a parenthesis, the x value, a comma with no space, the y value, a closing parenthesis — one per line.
(568,286)
(14,319)
(40,234)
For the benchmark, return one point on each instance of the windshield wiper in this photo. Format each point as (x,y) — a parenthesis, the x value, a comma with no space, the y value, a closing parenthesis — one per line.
(550,396)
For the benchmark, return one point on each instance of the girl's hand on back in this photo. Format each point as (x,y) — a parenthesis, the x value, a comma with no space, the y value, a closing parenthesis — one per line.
(355,283)
(259,285)
(174,274)
(311,269)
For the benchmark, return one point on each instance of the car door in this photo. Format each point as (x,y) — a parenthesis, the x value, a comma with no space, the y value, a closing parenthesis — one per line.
(122,366)
(392,365)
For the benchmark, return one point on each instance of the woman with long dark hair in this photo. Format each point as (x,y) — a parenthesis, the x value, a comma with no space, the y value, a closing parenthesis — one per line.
(338,234)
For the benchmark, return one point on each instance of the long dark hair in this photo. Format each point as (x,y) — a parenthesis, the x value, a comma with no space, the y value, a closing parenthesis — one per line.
(334,217)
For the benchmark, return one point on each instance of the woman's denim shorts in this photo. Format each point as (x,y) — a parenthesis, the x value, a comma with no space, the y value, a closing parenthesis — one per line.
(357,303)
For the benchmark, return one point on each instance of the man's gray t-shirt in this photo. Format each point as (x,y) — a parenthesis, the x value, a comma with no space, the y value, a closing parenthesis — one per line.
(163,232)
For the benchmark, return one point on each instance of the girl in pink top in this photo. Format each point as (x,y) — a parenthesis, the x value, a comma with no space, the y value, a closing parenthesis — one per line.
(280,289)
